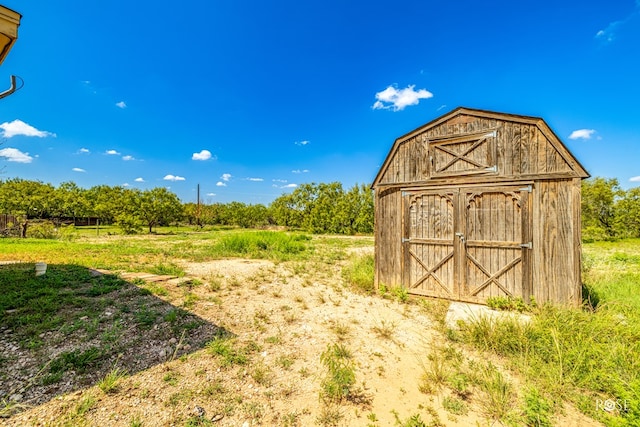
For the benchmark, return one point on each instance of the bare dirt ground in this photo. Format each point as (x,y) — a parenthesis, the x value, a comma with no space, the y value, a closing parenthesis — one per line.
(286,314)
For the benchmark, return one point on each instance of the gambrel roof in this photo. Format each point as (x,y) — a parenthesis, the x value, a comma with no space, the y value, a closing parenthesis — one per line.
(469,142)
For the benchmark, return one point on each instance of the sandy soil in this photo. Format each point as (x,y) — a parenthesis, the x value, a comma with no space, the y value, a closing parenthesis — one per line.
(288,313)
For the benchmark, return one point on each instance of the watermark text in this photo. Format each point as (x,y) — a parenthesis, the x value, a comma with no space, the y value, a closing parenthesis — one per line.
(612,405)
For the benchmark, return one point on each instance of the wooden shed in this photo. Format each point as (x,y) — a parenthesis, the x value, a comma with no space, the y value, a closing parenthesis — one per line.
(478,204)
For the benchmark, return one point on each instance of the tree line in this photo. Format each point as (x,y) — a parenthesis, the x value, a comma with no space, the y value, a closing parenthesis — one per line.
(316,208)
(608,211)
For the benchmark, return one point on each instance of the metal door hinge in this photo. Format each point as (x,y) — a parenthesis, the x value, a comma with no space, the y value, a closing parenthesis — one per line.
(526,245)
(404,240)
(528,188)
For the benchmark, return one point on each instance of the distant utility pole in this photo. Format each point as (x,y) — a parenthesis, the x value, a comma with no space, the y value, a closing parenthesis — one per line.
(198,209)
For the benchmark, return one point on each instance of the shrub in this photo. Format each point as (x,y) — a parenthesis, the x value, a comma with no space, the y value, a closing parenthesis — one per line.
(42,230)
(129,224)
(537,410)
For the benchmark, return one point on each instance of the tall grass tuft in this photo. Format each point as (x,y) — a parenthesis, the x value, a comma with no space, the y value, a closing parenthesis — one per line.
(587,355)
(340,378)
(262,244)
(499,394)
(359,274)
(111,382)
(573,354)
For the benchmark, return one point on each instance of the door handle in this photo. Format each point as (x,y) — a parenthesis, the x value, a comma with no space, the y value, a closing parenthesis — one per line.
(460,236)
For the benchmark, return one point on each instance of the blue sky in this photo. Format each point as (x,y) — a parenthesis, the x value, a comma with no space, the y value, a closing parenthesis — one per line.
(251,98)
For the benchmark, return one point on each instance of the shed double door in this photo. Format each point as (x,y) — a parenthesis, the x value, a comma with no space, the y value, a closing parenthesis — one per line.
(467,243)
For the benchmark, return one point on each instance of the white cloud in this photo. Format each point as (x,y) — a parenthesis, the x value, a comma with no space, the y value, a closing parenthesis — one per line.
(139,179)
(634,179)
(300,171)
(84,151)
(255,179)
(128,158)
(15,155)
(202,155)
(220,184)
(112,153)
(289,186)
(126,184)
(173,178)
(302,143)
(582,134)
(18,127)
(211,194)
(610,33)
(121,104)
(279,180)
(441,107)
(225,176)
(398,99)
(78,170)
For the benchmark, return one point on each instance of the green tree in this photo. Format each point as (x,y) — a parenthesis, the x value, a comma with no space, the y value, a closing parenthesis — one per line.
(627,210)
(190,212)
(71,201)
(599,196)
(283,211)
(34,199)
(127,217)
(214,214)
(106,202)
(355,211)
(159,206)
(325,208)
(254,216)
(323,212)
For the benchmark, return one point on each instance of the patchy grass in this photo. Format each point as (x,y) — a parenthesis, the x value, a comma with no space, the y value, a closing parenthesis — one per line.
(168,269)
(358,274)
(150,253)
(227,351)
(35,305)
(71,326)
(78,325)
(584,355)
(262,244)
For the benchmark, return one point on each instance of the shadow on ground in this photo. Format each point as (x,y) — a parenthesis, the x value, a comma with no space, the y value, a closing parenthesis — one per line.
(67,329)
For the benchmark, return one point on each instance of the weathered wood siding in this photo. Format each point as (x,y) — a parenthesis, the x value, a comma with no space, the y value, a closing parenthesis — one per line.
(410,162)
(556,242)
(522,150)
(493,233)
(388,237)
(429,247)
(477,204)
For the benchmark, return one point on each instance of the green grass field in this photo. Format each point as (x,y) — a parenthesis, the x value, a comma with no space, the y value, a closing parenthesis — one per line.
(587,356)
(149,253)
